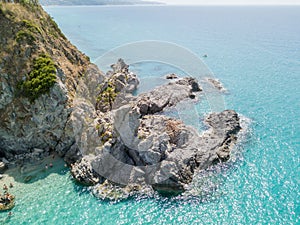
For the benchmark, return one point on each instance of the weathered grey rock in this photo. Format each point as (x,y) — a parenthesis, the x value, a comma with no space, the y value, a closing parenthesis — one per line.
(126,123)
(122,99)
(83,172)
(73,155)
(192,152)
(217,84)
(150,149)
(122,79)
(117,137)
(117,88)
(132,83)
(5,161)
(171,76)
(47,123)
(167,96)
(120,66)
(111,191)
(6,92)
(108,166)
(195,85)
(169,152)
(88,87)
(37,125)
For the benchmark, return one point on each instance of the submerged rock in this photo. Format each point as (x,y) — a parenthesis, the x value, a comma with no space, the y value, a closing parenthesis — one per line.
(217,84)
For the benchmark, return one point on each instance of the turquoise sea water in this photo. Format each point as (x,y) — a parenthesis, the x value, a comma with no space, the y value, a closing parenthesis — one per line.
(255,52)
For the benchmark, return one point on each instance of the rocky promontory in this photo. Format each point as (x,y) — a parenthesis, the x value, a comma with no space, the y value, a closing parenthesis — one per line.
(142,146)
(53,99)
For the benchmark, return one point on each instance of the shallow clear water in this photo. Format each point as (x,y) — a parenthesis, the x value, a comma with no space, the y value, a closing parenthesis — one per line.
(255,52)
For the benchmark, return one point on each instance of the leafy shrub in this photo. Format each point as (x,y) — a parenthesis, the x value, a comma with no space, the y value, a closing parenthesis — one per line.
(25,35)
(31,26)
(28,32)
(40,79)
(108,95)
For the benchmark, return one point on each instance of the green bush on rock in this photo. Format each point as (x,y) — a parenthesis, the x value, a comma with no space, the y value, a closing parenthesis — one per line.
(28,32)
(108,95)
(31,26)
(25,35)
(41,78)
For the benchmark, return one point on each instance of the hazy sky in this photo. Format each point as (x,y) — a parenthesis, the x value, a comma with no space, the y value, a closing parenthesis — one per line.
(231,2)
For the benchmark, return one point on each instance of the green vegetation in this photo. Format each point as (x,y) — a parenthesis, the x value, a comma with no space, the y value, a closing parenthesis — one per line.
(98,126)
(106,136)
(40,79)
(6,12)
(31,26)
(28,32)
(108,95)
(25,35)
(28,2)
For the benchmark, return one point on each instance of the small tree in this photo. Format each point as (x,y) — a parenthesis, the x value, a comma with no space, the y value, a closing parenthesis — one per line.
(40,80)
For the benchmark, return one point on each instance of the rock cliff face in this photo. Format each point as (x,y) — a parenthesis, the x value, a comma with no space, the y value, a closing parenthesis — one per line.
(93,120)
(30,129)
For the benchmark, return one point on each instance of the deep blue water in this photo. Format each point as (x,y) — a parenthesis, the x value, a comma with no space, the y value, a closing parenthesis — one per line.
(255,52)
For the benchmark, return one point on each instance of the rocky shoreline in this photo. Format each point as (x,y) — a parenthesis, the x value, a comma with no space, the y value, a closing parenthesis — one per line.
(124,141)
(140,147)
(107,135)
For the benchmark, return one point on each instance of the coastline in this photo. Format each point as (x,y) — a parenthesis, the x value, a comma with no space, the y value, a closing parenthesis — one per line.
(29,173)
(259,70)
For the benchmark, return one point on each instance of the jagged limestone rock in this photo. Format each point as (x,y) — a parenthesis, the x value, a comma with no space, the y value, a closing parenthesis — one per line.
(151,149)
